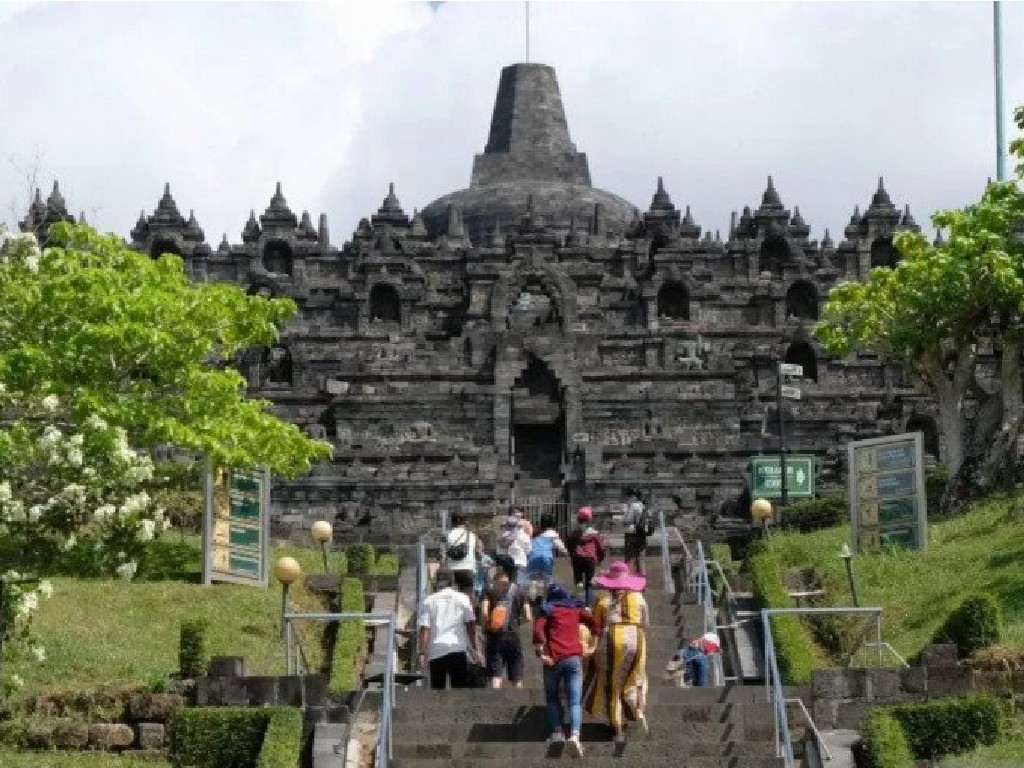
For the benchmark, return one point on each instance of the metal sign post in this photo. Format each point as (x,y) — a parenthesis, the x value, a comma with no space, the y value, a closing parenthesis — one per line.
(787,393)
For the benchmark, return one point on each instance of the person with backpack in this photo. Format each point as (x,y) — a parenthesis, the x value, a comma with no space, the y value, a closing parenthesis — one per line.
(540,566)
(504,609)
(586,550)
(514,543)
(459,553)
(639,525)
(558,641)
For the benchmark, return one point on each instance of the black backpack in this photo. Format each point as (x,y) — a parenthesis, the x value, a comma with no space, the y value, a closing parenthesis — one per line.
(460,550)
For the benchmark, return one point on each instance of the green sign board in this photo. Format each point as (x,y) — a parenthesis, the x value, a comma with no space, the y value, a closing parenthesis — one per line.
(236,527)
(766,477)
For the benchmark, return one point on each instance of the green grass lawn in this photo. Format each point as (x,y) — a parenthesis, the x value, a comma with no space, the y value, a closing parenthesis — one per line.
(75,760)
(982,550)
(103,631)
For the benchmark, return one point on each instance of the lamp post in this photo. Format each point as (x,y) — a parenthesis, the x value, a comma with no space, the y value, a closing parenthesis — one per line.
(322,533)
(761,512)
(286,570)
(847,556)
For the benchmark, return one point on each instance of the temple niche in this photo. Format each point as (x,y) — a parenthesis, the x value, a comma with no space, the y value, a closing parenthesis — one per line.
(533,336)
(277,367)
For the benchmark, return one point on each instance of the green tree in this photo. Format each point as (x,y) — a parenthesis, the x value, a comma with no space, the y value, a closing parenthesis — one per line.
(937,308)
(118,335)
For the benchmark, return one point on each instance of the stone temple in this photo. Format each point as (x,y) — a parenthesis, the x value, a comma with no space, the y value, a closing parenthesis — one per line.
(535,338)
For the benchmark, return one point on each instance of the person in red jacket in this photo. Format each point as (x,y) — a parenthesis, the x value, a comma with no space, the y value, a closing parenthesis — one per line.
(556,638)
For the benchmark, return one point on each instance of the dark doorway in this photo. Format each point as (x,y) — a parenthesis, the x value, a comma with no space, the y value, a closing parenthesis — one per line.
(673,302)
(802,301)
(926,425)
(801,353)
(539,451)
(277,258)
(774,254)
(883,253)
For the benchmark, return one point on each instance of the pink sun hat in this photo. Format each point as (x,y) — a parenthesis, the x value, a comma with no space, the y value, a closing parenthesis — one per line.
(585,515)
(710,643)
(618,577)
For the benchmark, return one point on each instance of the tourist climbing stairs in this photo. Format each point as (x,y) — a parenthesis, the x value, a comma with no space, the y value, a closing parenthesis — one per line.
(728,727)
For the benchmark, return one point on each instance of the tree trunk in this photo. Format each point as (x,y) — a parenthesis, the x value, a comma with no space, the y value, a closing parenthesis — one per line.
(1000,443)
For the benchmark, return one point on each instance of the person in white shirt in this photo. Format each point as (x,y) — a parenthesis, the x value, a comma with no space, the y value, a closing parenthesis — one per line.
(447,626)
(460,553)
(514,542)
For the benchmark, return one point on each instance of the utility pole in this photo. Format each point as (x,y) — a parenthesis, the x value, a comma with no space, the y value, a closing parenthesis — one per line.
(997,35)
(782,439)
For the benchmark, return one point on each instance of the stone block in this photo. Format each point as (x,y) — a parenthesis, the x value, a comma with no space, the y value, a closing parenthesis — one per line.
(884,684)
(825,713)
(70,734)
(948,681)
(830,684)
(154,706)
(226,666)
(111,735)
(851,714)
(991,682)
(152,735)
(261,690)
(939,655)
(914,680)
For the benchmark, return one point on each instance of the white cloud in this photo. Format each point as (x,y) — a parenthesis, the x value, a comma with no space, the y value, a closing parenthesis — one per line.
(337,99)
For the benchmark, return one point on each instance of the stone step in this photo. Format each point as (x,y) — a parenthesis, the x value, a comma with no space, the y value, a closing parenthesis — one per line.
(326,739)
(640,745)
(637,758)
(533,726)
(469,697)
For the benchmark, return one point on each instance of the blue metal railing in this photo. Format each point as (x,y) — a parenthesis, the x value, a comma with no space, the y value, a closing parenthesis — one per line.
(773,683)
(706,598)
(384,745)
(666,559)
(422,581)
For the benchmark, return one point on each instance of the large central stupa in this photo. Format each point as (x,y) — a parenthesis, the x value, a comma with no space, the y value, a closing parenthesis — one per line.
(530,159)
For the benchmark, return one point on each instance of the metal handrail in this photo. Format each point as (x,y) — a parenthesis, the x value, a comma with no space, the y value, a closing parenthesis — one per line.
(706,598)
(666,558)
(814,728)
(421,593)
(384,741)
(773,682)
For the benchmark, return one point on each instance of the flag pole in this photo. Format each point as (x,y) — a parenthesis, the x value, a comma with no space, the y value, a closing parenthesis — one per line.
(527,4)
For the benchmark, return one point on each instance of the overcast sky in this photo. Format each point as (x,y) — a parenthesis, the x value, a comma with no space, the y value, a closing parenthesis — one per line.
(337,99)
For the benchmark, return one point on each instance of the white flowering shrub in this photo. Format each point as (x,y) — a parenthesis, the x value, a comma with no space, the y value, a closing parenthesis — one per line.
(23,598)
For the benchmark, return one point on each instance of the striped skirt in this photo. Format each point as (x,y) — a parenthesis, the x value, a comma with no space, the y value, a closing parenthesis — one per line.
(615,680)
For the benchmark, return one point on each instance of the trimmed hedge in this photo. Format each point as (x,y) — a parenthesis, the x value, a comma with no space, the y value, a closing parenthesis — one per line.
(192,648)
(794,649)
(949,726)
(813,514)
(387,565)
(885,743)
(361,558)
(351,641)
(282,740)
(975,624)
(236,737)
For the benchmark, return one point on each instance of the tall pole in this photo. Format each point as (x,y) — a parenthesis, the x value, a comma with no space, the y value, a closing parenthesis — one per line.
(782,440)
(527,4)
(997,34)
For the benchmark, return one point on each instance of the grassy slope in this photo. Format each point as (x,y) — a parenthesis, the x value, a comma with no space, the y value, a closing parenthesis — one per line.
(981,550)
(101,630)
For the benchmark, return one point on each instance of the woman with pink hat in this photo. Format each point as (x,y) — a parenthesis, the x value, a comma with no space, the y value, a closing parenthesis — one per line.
(586,550)
(615,684)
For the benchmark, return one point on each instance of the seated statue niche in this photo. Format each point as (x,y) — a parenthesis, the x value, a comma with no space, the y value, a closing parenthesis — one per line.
(316,431)
(652,426)
(277,367)
(532,309)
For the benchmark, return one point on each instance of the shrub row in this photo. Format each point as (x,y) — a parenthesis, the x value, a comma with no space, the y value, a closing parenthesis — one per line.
(975,624)
(361,558)
(813,514)
(897,735)
(351,640)
(236,737)
(885,743)
(192,648)
(794,649)
(387,565)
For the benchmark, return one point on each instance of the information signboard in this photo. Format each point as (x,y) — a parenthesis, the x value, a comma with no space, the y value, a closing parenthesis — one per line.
(887,493)
(236,527)
(766,477)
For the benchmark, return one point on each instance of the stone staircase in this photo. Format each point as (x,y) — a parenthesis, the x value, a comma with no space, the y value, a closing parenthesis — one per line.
(728,727)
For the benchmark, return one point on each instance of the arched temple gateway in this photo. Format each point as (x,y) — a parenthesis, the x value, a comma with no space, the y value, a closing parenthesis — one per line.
(534,335)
